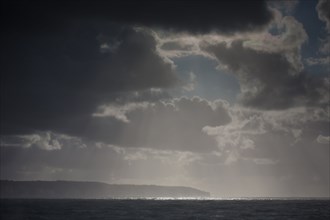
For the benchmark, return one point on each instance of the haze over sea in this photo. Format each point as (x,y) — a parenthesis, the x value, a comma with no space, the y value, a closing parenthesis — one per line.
(166,208)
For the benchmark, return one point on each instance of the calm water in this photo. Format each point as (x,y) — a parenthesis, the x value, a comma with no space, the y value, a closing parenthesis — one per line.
(36,209)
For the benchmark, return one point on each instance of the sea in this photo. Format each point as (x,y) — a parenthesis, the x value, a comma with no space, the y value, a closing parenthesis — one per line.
(165,208)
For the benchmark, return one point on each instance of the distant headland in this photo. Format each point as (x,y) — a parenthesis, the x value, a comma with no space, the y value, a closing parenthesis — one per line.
(91,190)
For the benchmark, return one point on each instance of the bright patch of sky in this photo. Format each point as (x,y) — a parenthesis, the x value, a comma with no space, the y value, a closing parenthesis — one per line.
(210,82)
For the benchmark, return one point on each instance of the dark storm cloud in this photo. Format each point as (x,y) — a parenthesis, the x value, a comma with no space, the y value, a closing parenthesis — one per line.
(268,79)
(182,15)
(62,59)
(60,78)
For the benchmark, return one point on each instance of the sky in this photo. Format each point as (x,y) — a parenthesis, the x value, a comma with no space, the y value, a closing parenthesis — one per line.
(231,97)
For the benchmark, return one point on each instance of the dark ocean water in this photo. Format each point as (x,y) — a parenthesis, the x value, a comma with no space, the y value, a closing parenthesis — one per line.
(42,209)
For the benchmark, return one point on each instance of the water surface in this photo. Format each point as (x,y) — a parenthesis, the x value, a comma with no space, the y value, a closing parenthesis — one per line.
(235,209)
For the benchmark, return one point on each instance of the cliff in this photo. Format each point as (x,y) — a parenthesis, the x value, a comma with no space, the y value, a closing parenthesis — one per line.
(90,190)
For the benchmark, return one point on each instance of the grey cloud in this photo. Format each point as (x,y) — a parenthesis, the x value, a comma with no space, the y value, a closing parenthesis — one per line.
(318,61)
(255,135)
(323,139)
(290,39)
(172,124)
(268,80)
(173,45)
(45,140)
(119,111)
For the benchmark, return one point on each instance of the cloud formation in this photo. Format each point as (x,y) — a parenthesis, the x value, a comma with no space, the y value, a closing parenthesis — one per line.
(268,65)
(268,80)
(270,69)
(96,94)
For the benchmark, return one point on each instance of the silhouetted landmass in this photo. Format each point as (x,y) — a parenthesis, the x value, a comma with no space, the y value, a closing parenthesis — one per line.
(90,190)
